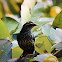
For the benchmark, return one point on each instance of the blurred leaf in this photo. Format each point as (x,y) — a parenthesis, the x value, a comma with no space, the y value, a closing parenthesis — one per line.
(19,1)
(58,3)
(16,52)
(26,10)
(11,24)
(60,59)
(58,21)
(43,21)
(13,6)
(19,28)
(6,8)
(4,31)
(1,10)
(25,15)
(1,52)
(37,11)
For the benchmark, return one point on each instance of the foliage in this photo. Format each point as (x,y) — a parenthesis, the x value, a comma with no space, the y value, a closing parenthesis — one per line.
(58,21)
(11,24)
(48,36)
(58,3)
(13,6)
(16,52)
(1,52)
(1,10)
(4,31)
(42,44)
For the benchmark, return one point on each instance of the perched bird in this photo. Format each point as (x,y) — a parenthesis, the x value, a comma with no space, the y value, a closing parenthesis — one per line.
(25,38)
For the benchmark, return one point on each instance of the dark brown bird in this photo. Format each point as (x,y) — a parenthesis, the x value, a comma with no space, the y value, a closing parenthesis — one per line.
(26,39)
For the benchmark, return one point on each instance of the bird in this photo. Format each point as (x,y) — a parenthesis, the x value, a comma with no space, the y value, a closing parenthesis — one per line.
(26,39)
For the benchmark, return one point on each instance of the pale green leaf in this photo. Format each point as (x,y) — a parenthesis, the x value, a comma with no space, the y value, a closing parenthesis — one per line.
(11,24)
(4,31)
(37,11)
(26,10)
(58,21)
(53,34)
(1,52)
(58,46)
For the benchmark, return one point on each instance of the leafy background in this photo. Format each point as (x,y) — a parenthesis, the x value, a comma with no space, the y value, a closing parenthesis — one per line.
(47,14)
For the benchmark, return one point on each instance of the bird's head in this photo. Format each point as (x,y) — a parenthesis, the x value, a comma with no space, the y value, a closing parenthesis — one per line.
(29,25)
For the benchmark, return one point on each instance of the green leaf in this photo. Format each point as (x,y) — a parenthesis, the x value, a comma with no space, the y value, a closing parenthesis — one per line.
(14,8)
(43,44)
(4,31)
(2,13)
(19,28)
(11,24)
(58,21)
(43,21)
(31,60)
(38,9)
(39,46)
(38,14)
(16,52)
(1,52)
(47,44)
(58,3)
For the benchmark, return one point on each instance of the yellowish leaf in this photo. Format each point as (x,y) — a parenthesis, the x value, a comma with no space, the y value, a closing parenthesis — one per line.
(58,21)
(4,31)
(16,52)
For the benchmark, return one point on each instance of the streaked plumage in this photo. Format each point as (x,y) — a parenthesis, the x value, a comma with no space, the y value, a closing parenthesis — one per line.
(26,39)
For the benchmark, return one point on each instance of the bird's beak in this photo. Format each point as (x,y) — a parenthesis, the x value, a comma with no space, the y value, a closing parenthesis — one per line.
(35,24)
